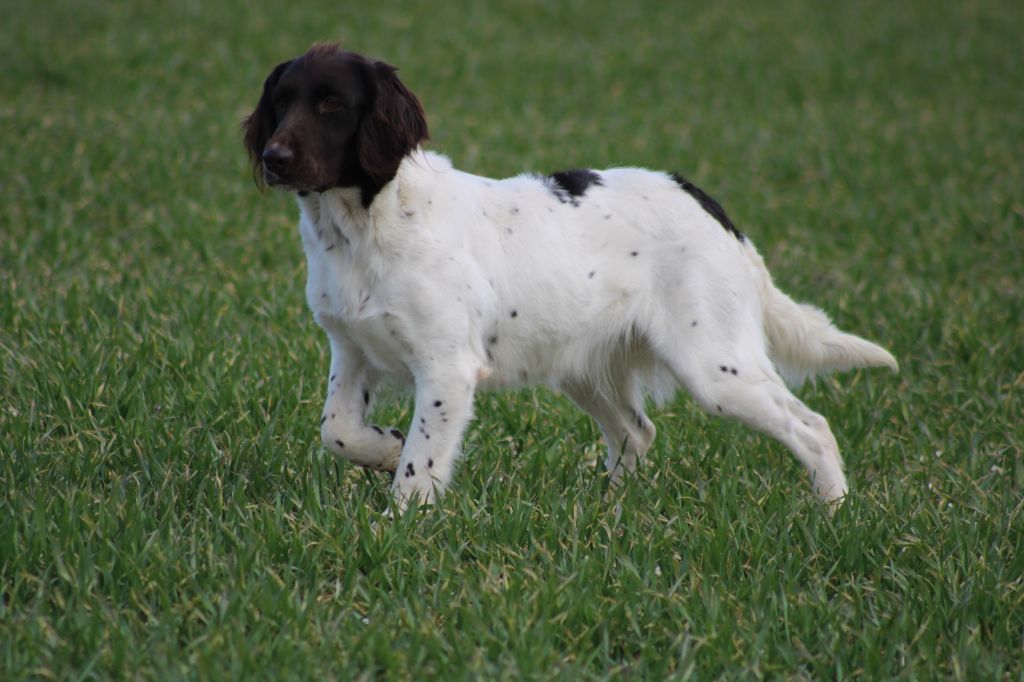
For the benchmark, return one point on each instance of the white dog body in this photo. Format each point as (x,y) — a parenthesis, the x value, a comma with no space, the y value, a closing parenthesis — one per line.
(626,286)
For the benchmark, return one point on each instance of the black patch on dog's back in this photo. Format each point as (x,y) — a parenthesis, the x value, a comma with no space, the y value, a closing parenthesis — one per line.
(575,182)
(713,208)
(568,186)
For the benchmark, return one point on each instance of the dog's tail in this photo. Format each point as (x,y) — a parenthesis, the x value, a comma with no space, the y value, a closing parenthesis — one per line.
(803,342)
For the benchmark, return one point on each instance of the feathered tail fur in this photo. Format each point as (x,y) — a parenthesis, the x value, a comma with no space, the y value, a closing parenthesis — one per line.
(803,342)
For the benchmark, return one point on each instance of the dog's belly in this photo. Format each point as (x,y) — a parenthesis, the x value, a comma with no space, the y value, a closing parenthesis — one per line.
(526,365)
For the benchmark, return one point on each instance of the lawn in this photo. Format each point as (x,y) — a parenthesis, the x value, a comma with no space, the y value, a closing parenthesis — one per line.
(166,510)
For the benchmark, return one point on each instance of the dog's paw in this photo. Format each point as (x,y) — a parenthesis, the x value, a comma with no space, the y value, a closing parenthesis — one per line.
(406,494)
(386,517)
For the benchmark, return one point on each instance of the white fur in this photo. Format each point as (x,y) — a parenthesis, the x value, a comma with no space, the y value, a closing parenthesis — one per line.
(454,282)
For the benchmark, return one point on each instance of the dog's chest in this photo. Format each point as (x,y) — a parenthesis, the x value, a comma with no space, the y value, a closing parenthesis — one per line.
(349,303)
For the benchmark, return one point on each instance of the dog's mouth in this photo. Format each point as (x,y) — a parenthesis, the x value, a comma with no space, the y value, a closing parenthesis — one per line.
(291,184)
(281,181)
(273,179)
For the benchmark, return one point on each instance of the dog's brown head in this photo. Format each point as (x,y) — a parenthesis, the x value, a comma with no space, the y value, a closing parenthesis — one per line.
(332,119)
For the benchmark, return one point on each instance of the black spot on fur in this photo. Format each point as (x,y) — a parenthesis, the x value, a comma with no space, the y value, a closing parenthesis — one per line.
(723,368)
(515,313)
(340,444)
(438,403)
(493,340)
(734,371)
(333,377)
(366,397)
(398,434)
(708,204)
(719,407)
(591,274)
(568,186)
(323,419)
(410,471)
(634,253)
(430,464)
(694,323)
(377,429)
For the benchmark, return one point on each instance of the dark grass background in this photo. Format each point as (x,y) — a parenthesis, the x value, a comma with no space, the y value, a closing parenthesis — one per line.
(166,511)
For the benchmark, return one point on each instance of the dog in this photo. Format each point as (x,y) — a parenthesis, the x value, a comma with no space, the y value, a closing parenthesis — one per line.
(611,286)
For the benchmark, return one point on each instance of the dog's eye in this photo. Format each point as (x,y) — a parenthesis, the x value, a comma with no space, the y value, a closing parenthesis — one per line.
(330,104)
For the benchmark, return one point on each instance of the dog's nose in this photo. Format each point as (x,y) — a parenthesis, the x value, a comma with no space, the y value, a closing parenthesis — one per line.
(277,157)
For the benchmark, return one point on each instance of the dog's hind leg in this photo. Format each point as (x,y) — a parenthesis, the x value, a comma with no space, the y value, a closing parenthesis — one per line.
(627,430)
(770,408)
(729,383)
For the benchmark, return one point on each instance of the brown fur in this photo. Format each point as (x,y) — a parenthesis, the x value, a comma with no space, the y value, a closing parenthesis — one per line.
(331,118)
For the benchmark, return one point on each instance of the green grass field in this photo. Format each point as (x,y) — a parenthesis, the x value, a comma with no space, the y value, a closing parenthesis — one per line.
(166,510)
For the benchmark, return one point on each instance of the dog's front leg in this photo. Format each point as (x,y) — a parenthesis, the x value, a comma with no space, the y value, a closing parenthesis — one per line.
(343,426)
(444,406)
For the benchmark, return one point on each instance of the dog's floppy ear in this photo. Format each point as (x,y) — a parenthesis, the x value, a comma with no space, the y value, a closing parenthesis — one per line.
(393,127)
(261,123)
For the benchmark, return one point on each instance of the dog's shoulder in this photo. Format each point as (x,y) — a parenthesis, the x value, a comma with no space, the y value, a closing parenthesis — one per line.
(421,175)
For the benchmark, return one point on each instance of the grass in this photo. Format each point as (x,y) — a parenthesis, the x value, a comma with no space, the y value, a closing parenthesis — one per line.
(167,511)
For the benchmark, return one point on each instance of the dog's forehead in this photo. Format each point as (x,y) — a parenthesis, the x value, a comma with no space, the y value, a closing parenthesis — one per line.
(315,69)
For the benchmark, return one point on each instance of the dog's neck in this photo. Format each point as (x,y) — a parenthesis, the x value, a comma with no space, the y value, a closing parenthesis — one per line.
(337,218)
(397,200)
